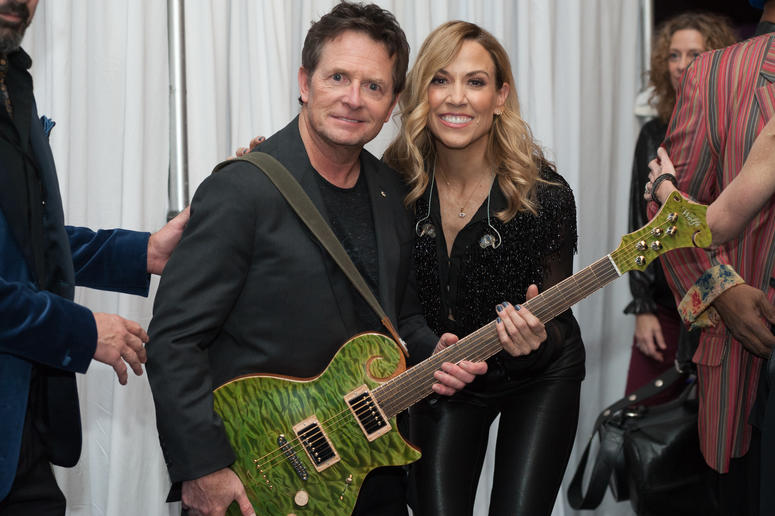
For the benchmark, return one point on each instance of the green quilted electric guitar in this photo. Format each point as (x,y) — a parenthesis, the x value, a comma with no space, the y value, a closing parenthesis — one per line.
(304,446)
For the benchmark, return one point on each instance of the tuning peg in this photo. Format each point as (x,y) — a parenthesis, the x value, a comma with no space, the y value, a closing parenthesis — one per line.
(640,261)
(656,245)
(672,230)
(657,232)
(672,217)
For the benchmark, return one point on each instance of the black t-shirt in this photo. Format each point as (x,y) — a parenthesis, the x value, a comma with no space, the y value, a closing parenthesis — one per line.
(349,210)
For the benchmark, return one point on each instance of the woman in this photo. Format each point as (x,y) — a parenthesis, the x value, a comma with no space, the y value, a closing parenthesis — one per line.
(657,324)
(494,220)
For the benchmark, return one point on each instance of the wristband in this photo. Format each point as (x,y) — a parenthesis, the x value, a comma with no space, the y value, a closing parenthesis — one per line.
(658,181)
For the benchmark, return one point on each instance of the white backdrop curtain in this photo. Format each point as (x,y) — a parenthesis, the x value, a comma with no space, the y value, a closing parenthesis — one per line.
(100,69)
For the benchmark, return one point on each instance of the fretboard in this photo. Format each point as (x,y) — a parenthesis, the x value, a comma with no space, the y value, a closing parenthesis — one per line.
(415,383)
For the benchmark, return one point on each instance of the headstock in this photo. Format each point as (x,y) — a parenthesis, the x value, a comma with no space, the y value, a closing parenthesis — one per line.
(679,223)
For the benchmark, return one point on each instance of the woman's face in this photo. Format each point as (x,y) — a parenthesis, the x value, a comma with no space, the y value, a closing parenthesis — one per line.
(685,45)
(463,98)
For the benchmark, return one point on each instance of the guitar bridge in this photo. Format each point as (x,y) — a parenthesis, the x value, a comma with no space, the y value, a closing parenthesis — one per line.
(316,443)
(369,415)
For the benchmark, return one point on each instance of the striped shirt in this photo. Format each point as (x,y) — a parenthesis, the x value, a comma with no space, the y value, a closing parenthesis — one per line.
(725,99)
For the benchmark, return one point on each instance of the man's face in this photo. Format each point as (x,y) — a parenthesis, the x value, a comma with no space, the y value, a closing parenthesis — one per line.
(349,97)
(15,16)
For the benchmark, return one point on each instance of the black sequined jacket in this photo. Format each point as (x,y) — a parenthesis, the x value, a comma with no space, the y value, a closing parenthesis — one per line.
(459,293)
(648,287)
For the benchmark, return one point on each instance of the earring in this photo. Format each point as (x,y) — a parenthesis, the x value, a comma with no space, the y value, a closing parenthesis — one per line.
(498,113)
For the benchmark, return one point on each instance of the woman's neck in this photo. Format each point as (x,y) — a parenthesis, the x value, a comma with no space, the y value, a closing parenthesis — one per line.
(461,168)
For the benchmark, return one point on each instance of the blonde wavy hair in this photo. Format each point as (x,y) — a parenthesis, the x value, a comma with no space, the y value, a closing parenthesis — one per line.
(510,145)
(716,31)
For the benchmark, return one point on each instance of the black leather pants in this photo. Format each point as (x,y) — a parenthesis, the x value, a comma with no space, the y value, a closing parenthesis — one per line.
(539,415)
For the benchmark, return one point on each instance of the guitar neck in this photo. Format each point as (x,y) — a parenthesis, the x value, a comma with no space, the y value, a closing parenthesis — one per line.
(415,383)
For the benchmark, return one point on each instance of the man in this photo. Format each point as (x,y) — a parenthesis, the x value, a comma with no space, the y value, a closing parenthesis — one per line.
(725,99)
(271,300)
(44,336)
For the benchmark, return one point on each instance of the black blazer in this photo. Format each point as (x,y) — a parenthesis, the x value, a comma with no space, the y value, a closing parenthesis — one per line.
(249,289)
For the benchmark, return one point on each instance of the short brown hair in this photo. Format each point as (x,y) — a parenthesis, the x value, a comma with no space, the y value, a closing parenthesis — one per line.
(717,32)
(370,19)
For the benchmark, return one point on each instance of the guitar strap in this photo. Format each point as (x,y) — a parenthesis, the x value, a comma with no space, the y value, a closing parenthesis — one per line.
(298,199)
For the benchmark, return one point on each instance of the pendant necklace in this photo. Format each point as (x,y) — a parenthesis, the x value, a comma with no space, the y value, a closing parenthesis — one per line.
(462,211)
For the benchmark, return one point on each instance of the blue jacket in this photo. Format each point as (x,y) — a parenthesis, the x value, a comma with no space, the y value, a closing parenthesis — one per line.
(46,329)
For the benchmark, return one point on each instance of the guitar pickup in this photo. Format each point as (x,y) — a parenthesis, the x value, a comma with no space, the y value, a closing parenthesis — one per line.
(369,415)
(316,443)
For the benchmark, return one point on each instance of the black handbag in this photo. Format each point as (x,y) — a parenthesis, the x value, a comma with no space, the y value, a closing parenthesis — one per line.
(648,455)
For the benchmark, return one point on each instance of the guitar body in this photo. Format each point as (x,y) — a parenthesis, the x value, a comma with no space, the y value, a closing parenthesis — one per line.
(267,418)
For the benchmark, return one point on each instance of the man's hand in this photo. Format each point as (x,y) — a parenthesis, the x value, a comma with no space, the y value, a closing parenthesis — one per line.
(648,336)
(453,377)
(120,340)
(519,331)
(743,308)
(212,494)
(163,242)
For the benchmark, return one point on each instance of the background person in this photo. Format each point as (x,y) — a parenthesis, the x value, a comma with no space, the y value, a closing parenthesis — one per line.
(724,102)
(658,326)
(44,336)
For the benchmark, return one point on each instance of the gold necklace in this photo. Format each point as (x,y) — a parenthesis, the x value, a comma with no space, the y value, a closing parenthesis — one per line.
(461,212)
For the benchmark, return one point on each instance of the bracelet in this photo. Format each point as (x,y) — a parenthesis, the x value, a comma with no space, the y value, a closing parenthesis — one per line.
(658,181)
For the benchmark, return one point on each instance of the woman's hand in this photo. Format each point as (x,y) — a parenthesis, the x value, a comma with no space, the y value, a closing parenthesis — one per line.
(241,151)
(648,336)
(658,166)
(453,377)
(519,331)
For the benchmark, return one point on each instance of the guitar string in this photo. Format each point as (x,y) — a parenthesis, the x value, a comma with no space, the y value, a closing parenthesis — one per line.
(575,280)
(476,347)
(471,350)
(298,442)
(332,423)
(478,343)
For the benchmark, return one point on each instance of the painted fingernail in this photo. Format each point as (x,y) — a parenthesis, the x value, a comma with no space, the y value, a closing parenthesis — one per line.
(505,304)
(499,308)
(517,307)
(498,320)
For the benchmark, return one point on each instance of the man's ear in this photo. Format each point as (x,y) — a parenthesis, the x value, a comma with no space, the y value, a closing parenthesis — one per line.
(392,107)
(304,78)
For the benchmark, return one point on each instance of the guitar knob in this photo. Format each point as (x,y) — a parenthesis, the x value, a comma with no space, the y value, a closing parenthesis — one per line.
(302,498)
(672,217)
(672,230)
(657,232)
(641,246)
(656,245)
(640,260)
